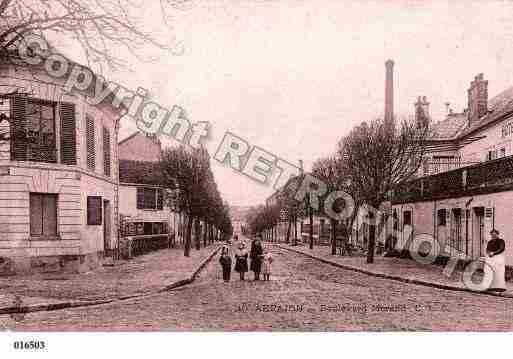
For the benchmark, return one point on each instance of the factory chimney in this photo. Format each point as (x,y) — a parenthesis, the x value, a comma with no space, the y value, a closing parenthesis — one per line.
(389,91)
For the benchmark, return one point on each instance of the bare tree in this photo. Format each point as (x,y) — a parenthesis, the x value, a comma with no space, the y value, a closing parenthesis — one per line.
(104,29)
(378,156)
(184,170)
(330,172)
(188,170)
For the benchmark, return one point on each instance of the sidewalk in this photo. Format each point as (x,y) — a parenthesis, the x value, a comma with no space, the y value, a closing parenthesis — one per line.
(146,274)
(404,270)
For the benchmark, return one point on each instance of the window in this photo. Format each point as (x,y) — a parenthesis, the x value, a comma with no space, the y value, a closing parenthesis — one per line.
(396,220)
(407,218)
(33,130)
(5,107)
(106,152)
(456,240)
(43,215)
(94,211)
(491,155)
(503,152)
(441,217)
(91,156)
(40,131)
(150,198)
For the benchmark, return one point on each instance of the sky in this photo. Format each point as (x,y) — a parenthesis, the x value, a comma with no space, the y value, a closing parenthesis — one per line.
(293,77)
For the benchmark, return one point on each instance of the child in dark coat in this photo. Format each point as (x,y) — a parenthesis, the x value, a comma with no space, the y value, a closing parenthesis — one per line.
(226,264)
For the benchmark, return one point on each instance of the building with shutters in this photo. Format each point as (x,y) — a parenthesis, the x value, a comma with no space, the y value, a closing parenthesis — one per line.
(58,175)
(465,188)
(144,204)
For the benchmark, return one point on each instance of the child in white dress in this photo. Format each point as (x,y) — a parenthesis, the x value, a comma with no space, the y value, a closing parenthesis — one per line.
(266,264)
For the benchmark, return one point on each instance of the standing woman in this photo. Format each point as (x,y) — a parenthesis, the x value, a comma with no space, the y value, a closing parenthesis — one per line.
(496,261)
(241,260)
(256,255)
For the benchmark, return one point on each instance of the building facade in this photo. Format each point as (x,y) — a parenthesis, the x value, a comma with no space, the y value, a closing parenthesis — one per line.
(144,205)
(58,175)
(466,185)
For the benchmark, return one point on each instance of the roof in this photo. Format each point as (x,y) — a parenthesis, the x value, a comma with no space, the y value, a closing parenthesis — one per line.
(128,137)
(450,127)
(500,109)
(455,126)
(140,172)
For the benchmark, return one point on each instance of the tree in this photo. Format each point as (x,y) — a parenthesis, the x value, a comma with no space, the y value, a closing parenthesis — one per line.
(292,207)
(186,169)
(378,156)
(330,172)
(105,30)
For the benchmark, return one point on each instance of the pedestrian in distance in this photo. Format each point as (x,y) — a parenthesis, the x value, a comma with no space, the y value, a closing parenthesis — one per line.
(256,253)
(496,262)
(226,263)
(241,260)
(266,264)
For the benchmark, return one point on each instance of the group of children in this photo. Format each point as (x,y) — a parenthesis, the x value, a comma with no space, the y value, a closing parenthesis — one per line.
(261,260)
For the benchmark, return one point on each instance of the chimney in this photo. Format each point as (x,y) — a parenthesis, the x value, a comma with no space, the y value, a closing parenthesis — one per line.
(422,112)
(477,99)
(389,91)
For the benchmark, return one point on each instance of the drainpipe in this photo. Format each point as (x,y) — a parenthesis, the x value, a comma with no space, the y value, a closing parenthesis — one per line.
(116,191)
(435,217)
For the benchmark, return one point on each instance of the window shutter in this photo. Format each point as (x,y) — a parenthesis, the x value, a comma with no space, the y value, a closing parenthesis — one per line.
(18,128)
(150,198)
(49,215)
(160,199)
(140,197)
(36,214)
(91,158)
(106,151)
(94,211)
(68,133)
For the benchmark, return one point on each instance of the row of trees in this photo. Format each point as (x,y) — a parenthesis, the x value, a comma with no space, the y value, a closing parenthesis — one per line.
(368,164)
(108,32)
(188,173)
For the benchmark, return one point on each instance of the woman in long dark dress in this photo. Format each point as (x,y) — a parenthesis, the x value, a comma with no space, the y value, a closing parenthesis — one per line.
(256,255)
(241,260)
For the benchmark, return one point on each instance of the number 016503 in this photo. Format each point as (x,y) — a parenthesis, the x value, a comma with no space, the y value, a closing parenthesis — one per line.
(29,345)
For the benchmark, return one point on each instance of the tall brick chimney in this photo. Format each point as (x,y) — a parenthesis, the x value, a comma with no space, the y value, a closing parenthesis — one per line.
(477,99)
(422,112)
(389,90)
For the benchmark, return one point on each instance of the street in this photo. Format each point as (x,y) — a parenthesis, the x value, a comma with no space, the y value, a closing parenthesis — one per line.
(303,294)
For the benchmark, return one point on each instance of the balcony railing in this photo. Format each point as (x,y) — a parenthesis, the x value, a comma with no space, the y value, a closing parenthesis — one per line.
(439,166)
(41,153)
(485,177)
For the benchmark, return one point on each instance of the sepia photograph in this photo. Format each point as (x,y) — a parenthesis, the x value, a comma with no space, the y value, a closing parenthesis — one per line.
(226,167)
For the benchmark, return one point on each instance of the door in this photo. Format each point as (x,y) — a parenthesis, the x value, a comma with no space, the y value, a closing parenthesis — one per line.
(478,232)
(467,222)
(107,252)
(456,241)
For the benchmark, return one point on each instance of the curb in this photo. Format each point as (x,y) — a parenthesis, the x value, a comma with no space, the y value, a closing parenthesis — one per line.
(76,304)
(193,276)
(398,278)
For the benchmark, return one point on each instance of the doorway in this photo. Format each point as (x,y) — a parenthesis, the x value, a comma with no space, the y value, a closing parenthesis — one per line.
(478,232)
(107,252)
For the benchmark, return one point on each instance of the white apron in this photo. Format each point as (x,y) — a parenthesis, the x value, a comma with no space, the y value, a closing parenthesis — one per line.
(496,269)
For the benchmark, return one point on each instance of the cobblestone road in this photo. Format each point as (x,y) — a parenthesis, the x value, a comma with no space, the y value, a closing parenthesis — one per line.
(303,294)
